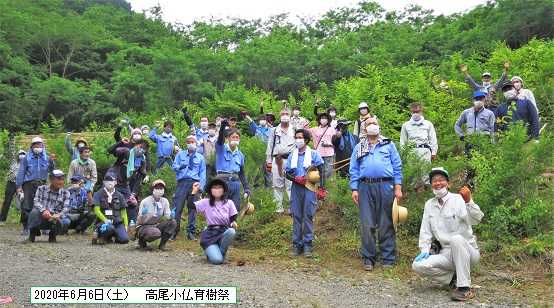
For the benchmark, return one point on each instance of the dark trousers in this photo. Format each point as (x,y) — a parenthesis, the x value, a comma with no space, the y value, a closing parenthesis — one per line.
(29,190)
(376,216)
(234,192)
(81,221)
(134,183)
(182,194)
(37,223)
(8,197)
(160,162)
(118,231)
(303,205)
(164,230)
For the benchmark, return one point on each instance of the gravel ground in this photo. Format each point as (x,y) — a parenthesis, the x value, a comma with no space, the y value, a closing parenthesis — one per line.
(73,261)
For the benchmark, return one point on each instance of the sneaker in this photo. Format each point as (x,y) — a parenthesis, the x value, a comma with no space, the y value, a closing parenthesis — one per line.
(463,294)
(296,251)
(308,251)
(191,237)
(368,265)
(25,232)
(52,237)
(142,243)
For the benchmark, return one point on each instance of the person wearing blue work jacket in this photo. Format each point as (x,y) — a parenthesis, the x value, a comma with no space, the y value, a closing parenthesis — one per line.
(190,168)
(303,201)
(165,145)
(375,180)
(229,163)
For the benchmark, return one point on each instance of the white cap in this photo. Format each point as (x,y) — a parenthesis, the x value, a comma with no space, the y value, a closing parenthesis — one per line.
(37,140)
(57,173)
(363,105)
(517,78)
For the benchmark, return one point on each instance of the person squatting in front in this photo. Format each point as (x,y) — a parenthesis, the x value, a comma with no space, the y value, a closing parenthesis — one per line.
(80,215)
(154,220)
(304,196)
(51,204)
(375,180)
(447,218)
(221,214)
(110,207)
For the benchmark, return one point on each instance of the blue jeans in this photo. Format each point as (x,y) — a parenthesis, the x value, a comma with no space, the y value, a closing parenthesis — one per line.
(118,231)
(160,163)
(303,204)
(216,252)
(182,193)
(376,215)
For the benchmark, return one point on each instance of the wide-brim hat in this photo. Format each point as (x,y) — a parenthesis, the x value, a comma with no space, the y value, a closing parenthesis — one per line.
(399,213)
(312,178)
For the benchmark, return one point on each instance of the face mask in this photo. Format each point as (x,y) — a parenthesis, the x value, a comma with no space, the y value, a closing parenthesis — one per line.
(285,119)
(211,132)
(296,113)
(439,193)
(75,186)
(372,129)
(80,145)
(299,143)
(234,143)
(217,192)
(416,116)
(21,157)
(38,150)
(263,122)
(517,85)
(85,157)
(510,95)
(109,185)
(158,193)
(364,111)
(332,114)
(145,132)
(139,151)
(323,122)
(191,146)
(203,125)
(137,137)
(167,130)
(486,83)
(478,104)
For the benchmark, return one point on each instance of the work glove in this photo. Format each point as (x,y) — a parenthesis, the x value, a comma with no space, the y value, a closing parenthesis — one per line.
(268,167)
(173,213)
(422,256)
(146,180)
(46,214)
(247,193)
(321,193)
(144,211)
(300,180)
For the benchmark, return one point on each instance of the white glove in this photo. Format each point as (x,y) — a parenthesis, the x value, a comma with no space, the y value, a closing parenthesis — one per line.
(146,180)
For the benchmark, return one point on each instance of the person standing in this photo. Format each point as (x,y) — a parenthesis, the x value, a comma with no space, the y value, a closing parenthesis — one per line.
(420,134)
(344,143)
(165,145)
(359,126)
(10,190)
(323,135)
(375,180)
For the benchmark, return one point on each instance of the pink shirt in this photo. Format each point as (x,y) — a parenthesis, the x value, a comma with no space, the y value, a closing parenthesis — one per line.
(219,214)
(324,147)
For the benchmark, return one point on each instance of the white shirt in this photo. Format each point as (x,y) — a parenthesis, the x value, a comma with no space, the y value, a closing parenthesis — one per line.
(454,217)
(284,142)
(419,133)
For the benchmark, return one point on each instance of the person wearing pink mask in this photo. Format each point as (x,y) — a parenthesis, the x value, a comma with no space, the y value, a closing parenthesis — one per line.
(323,135)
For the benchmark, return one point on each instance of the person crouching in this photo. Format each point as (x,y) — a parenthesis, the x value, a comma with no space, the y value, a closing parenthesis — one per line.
(154,220)
(110,207)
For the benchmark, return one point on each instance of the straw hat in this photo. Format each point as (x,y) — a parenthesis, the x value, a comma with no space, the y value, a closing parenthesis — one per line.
(312,178)
(399,213)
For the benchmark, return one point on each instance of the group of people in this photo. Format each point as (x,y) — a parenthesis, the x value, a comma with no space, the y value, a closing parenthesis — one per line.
(299,160)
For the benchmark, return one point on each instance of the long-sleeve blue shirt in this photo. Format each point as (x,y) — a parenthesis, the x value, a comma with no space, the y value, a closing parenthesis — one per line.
(481,121)
(190,166)
(33,167)
(261,132)
(300,170)
(165,143)
(521,110)
(381,161)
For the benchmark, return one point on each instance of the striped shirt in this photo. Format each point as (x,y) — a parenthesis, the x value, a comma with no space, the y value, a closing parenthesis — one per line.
(54,201)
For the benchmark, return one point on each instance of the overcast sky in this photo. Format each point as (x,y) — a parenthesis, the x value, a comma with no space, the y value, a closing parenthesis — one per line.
(186,11)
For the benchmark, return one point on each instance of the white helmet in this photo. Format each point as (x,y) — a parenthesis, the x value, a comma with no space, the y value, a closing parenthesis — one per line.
(37,140)
(517,78)
(363,105)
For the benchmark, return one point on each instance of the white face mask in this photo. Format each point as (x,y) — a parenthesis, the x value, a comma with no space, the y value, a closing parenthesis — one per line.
(332,114)
(285,119)
(486,83)
(38,150)
(203,125)
(510,95)
(75,186)
(158,193)
(145,132)
(372,129)
(80,145)
(478,104)
(21,157)
(518,85)
(416,116)
(211,132)
(137,137)
(364,111)
(191,146)
(441,192)
(109,185)
(296,113)
(234,142)
(323,122)
(263,122)
(299,143)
